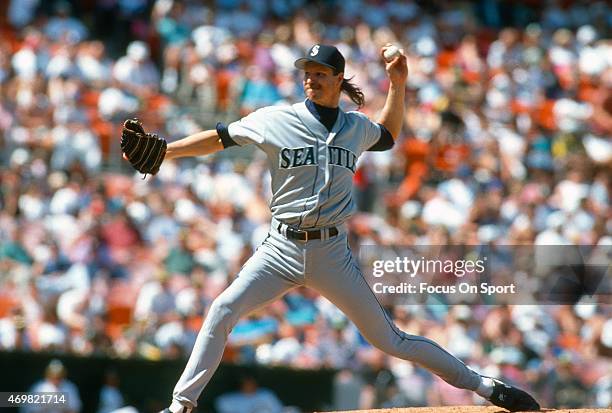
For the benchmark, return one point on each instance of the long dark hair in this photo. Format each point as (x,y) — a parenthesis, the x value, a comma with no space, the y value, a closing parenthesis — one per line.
(353,92)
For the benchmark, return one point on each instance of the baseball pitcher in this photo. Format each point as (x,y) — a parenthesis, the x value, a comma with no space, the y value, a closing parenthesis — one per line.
(312,149)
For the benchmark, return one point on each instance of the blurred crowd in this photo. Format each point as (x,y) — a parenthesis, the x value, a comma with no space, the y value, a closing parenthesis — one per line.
(506,140)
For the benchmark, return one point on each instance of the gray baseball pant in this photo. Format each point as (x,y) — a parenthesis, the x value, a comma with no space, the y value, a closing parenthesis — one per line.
(327,266)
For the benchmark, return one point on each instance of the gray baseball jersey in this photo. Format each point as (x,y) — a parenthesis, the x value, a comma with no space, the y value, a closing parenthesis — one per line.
(312,171)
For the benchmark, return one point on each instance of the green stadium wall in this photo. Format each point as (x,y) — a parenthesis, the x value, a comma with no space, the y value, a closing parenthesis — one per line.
(147,385)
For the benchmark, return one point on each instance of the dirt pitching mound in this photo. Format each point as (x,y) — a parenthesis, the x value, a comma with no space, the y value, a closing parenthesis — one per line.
(469,409)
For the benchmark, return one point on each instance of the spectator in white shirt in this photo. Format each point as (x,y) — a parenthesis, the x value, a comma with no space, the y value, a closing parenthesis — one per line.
(63,27)
(55,381)
(111,398)
(250,399)
(136,71)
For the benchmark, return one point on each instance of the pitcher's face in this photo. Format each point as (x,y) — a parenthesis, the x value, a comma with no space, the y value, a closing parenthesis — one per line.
(321,85)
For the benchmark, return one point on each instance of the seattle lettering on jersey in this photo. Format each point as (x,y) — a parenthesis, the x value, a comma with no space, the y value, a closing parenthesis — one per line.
(337,156)
(342,157)
(295,157)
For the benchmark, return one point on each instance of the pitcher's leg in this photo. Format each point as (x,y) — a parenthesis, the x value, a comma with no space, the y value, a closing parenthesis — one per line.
(258,284)
(340,280)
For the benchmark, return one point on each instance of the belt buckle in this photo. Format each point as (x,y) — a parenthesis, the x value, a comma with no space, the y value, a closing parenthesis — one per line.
(305,232)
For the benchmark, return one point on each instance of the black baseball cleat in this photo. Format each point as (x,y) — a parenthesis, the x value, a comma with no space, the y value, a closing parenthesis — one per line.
(511,398)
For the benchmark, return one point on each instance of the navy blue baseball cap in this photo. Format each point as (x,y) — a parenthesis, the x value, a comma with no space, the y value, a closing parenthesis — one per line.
(323,54)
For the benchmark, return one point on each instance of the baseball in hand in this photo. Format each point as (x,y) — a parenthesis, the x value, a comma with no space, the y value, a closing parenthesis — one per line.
(391,53)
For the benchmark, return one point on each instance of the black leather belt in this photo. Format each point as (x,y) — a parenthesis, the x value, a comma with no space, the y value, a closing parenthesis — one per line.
(308,234)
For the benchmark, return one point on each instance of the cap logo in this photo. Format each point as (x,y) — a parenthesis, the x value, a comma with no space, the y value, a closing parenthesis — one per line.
(315,50)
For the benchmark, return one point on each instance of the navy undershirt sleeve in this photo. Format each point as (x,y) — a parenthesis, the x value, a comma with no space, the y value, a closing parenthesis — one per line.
(226,139)
(385,142)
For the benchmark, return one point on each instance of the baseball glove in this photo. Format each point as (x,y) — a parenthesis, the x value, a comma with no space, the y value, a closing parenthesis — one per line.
(145,151)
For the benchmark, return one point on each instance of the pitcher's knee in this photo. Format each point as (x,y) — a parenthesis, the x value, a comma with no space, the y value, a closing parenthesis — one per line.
(384,344)
(396,345)
(221,317)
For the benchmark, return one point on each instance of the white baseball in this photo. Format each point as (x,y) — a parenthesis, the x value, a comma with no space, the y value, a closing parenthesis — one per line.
(391,53)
